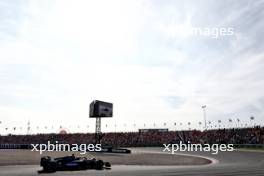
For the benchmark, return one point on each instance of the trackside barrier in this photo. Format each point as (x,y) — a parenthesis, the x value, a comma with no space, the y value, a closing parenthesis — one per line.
(251,146)
(120,150)
(15,146)
(116,150)
(27,146)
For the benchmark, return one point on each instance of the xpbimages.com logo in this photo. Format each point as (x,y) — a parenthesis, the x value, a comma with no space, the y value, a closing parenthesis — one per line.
(82,148)
(175,31)
(182,147)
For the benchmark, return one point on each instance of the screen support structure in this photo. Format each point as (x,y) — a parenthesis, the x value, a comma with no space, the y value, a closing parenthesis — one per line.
(98,110)
(98,125)
(98,130)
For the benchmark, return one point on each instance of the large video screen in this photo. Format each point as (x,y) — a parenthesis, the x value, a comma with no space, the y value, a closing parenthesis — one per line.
(100,109)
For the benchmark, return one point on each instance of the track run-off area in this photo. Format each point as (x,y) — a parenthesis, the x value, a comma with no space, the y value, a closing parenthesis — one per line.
(224,163)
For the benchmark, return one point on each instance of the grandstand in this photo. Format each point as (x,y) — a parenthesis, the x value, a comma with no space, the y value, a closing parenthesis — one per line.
(147,138)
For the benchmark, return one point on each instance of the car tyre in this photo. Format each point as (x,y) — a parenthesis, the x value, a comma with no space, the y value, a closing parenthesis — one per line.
(99,165)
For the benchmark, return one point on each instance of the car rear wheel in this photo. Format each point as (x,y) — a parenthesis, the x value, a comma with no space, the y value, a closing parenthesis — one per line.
(49,167)
(99,165)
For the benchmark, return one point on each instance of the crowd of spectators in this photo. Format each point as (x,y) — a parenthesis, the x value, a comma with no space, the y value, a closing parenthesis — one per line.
(152,138)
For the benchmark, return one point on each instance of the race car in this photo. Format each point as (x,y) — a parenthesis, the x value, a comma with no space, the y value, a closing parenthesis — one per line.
(72,163)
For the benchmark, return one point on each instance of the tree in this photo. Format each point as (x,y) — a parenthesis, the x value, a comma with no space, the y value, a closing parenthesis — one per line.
(251,120)
(238,120)
(219,122)
(230,121)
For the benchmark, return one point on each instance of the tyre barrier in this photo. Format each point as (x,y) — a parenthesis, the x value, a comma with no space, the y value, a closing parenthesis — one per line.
(15,146)
(28,146)
(249,146)
(121,150)
(116,150)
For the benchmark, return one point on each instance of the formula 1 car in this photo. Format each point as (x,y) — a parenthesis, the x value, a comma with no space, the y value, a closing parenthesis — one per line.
(72,163)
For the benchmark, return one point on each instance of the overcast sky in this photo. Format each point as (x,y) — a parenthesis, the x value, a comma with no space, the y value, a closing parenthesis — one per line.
(58,56)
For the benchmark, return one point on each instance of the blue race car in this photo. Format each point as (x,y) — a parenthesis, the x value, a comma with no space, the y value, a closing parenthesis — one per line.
(72,163)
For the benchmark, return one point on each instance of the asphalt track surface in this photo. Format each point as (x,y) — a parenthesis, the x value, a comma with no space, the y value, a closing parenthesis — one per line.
(238,163)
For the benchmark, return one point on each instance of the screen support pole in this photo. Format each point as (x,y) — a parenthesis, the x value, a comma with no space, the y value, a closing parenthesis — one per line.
(98,130)
(98,125)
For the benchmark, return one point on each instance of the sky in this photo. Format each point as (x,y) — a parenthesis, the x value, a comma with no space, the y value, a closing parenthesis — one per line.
(56,57)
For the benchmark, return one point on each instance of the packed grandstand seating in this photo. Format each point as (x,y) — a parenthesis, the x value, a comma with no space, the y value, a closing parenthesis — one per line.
(153,138)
